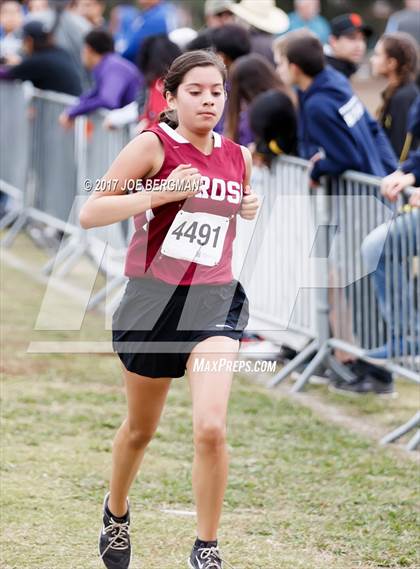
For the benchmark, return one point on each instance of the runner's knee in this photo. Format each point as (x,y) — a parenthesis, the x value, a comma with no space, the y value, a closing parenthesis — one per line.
(209,434)
(139,437)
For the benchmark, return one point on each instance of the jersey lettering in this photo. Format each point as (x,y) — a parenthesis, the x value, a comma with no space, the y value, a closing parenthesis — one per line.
(218,190)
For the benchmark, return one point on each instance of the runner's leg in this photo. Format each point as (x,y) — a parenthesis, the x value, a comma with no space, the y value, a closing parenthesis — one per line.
(210,395)
(145,400)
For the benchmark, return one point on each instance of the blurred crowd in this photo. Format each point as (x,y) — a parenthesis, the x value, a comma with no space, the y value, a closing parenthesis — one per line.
(289,80)
(288,88)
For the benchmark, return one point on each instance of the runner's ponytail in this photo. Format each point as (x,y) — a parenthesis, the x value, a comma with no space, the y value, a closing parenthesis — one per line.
(169,117)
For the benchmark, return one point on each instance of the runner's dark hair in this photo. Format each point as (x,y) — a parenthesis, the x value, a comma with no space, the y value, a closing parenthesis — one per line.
(179,68)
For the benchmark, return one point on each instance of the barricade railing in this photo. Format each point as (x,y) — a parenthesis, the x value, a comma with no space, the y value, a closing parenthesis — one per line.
(372,243)
(14,144)
(95,150)
(272,255)
(46,171)
(373,252)
(14,137)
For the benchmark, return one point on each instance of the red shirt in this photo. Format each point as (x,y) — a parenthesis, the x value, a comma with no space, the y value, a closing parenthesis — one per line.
(155,103)
(223,173)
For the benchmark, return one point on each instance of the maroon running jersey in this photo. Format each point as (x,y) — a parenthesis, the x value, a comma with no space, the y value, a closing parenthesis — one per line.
(207,219)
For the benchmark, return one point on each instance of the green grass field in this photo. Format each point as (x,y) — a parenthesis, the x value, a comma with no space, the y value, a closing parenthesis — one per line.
(303,493)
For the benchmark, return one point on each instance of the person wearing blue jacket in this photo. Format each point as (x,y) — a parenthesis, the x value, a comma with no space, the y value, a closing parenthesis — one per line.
(157,17)
(336,132)
(404,227)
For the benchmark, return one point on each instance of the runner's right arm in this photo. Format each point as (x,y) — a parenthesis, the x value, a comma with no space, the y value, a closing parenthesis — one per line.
(140,159)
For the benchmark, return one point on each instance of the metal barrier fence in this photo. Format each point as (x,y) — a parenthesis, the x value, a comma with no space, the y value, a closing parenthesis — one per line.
(278,247)
(374,277)
(47,173)
(41,168)
(14,130)
(373,254)
(53,158)
(14,158)
(354,213)
(95,150)
(322,282)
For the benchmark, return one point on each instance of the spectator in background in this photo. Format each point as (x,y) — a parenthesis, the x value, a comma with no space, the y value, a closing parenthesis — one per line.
(407,20)
(273,121)
(396,58)
(306,15)
(117,81)
(92,11)
(47,66)
(218,13)
(11,21)
(412,163)
(249,76)
(347,43)
(231,42)
(37,6)
(203,40)
(156,56)
(182,37)
(69,29)
(336,133)
(157,17)
(120,23)
(264,20)
(335,130)
(374,252)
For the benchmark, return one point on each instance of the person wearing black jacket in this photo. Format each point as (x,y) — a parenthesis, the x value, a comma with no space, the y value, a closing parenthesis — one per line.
(396,58)
(347,43)
(273,120)
(47,66)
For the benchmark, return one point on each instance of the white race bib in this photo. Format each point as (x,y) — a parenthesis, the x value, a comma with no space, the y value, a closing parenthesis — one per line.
(197,237)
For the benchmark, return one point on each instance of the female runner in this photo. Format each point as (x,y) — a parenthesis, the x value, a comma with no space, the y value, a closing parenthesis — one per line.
(181,304)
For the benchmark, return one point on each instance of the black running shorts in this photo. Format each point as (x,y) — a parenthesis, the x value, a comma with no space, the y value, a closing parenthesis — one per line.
(156,325)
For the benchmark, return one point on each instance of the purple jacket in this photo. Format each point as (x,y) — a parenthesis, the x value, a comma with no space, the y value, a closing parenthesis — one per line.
(117,82)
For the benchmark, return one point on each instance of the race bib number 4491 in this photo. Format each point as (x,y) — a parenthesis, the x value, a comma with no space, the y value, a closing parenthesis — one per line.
(197,237)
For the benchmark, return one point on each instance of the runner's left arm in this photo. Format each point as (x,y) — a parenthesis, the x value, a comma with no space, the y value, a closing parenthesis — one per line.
(250,202)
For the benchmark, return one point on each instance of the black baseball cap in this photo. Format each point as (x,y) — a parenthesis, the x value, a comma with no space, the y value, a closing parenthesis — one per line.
(348,23)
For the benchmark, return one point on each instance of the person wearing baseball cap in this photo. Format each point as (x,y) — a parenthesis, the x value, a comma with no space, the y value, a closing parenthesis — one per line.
(46,65)
(347,43)
(218,13)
